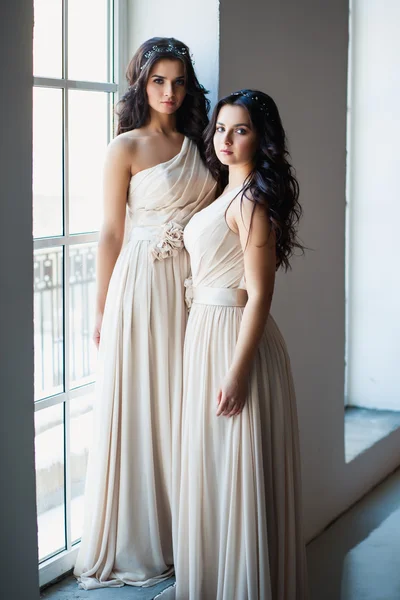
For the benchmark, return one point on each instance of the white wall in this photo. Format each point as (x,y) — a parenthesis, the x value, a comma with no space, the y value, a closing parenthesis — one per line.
(374,206)
(18,565)
(297,52)
(194,23)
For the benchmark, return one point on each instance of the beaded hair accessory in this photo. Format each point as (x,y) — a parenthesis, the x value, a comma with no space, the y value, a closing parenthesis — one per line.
(260,102)
(170,49)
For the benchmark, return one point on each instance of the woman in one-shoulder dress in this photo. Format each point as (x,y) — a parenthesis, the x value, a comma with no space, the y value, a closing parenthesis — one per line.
(155,180)
(239,534)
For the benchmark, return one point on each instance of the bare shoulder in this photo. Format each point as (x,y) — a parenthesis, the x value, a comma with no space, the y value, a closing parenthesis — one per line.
(117,156)
(137,148)
(248,216)
(129,151)
(123,146)
(246,207)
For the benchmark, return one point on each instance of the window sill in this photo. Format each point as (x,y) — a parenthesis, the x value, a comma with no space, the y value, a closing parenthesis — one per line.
(364,427)
(56,567)
(68,588)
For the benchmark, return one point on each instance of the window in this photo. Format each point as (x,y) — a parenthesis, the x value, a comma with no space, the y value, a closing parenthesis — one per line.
(373,212)
(75,89)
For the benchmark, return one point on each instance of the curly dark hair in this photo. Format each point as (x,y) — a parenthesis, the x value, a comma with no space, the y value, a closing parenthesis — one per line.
(272,182)
(133,108)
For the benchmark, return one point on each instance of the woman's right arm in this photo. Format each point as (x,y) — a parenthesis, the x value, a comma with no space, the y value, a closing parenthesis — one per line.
(116,179)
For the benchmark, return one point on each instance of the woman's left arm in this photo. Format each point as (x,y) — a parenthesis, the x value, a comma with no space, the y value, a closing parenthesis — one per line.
(251,222)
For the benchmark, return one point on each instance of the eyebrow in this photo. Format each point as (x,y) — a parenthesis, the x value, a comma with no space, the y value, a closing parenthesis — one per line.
(237,124)
(163,76)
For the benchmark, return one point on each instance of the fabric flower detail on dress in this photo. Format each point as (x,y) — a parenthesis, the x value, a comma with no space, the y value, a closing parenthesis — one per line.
(169,242)
(188,283)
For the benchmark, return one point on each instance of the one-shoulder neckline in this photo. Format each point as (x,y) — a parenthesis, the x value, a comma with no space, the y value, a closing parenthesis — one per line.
(166,162)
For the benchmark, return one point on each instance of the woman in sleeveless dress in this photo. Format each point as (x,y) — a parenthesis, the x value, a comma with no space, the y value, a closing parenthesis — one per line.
(154,180)
(239,534)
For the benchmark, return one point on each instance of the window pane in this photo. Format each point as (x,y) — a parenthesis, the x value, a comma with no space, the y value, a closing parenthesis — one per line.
(47,162)
(88,138)
(83,352)
(81,437)
(48,315)
(49,456)
(47,38)
(88,40)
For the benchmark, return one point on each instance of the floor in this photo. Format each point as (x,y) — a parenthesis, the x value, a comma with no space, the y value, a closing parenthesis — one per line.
(357,558)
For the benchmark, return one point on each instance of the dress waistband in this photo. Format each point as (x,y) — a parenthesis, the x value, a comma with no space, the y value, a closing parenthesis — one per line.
(166,240)
(146,234)
(220,296)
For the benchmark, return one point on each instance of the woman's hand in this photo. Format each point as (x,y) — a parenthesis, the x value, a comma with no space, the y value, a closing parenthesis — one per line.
(232,395)
(97,329)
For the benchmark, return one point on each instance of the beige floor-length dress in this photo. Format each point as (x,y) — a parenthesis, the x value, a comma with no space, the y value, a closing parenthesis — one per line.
(239,534)
(127,536)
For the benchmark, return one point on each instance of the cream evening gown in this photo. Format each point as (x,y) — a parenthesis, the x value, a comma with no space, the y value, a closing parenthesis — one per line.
(127,537)
(239,534)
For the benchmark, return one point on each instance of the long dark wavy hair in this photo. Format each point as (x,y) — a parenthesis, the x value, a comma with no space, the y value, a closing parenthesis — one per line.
(133,108)
(272,182)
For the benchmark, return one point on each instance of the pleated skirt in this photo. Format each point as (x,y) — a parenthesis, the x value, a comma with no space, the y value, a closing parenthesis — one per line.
(239,534)
(129,496)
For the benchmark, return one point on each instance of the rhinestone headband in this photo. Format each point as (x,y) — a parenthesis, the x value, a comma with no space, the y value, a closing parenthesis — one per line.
(262,105)
(171,49)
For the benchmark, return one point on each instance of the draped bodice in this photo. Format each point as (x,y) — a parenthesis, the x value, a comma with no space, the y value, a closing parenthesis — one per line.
(216,255)
(170,191)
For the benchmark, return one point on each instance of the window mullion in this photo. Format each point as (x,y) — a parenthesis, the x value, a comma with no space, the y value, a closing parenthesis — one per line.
(67,376)
(75,239)
(120,47)
(65,39)
(110,63)
(88,86)
(49,401)
(109,41)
